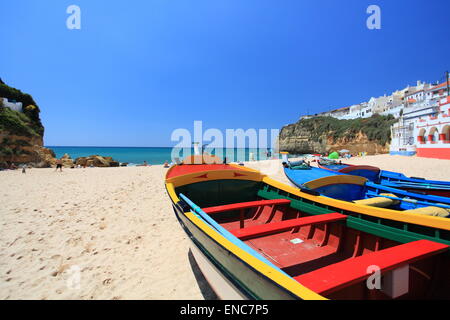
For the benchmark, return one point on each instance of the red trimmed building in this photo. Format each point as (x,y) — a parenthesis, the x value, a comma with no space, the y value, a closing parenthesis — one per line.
(423,128)
(432,132)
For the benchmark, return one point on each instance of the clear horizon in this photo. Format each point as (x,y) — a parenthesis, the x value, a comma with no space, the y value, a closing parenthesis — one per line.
(132,76)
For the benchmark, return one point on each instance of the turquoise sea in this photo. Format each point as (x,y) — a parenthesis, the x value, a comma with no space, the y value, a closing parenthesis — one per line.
(153,155)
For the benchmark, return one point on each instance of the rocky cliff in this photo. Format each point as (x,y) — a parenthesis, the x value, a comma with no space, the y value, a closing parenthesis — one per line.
(326,134)
(22,133)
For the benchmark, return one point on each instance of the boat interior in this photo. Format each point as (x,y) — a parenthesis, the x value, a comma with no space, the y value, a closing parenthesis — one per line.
(321,252)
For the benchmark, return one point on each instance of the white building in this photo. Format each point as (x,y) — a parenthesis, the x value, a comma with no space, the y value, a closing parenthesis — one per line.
(384,104)
(339,113)
(13,105)
(352,112)
(432,132)
(422,126)
(419,96)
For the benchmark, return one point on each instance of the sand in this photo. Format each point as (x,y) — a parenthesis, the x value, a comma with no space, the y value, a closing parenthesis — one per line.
(110,233)
(113,225)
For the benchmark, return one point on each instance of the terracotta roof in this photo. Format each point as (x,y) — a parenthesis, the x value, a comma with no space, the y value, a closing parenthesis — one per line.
(338,110)
(413,93)
(442,85)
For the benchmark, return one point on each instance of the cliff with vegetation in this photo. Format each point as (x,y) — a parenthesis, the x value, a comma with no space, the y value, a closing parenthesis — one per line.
(327,134)
(22,133)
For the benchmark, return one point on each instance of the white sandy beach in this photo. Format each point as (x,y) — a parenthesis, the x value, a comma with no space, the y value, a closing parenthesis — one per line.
(116,226)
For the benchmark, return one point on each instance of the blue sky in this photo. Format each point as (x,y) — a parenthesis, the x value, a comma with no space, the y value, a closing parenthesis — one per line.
(137,70)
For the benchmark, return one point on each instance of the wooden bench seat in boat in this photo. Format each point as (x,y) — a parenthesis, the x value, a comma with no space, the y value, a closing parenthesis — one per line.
(345,273)
(275,227)
(245,205)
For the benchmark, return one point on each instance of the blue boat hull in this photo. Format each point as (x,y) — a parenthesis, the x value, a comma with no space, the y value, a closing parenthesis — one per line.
(394,179)
(356,191)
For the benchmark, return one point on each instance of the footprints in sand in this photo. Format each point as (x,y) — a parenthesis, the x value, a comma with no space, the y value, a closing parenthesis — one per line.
(74,241)
(88,247)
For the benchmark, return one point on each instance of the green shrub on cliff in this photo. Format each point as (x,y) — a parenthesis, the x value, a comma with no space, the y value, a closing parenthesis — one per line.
(376,128)
(7,152)
(17,123)
(30,108)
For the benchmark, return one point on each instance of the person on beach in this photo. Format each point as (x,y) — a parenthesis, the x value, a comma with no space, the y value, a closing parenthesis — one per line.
(58,165)
(166,164)
(145,163)
(24,168)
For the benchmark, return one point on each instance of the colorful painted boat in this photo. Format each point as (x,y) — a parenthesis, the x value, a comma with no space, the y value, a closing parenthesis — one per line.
(256,238)
(354,188)
(390,178)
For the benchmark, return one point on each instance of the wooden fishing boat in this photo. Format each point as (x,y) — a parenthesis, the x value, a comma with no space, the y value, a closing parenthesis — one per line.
(358,189)
(256,238)
(390,178)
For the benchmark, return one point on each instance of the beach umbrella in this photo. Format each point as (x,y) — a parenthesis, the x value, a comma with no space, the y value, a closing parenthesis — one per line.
(344,151)
(333,155)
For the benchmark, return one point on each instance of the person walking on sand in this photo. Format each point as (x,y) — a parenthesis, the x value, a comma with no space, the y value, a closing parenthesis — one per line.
(24,168)
(58,165)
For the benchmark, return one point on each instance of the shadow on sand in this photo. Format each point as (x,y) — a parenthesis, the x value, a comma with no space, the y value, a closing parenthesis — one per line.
(205,288)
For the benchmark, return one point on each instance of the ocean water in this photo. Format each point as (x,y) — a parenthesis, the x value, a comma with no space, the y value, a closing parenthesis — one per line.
(154,155)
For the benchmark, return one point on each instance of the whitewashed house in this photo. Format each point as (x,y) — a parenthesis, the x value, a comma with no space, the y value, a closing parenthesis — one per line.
(13,105)
(340,113)
(423,125)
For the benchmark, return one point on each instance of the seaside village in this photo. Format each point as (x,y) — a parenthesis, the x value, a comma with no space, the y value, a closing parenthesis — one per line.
(169,154)
(423,113)
(262,230)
